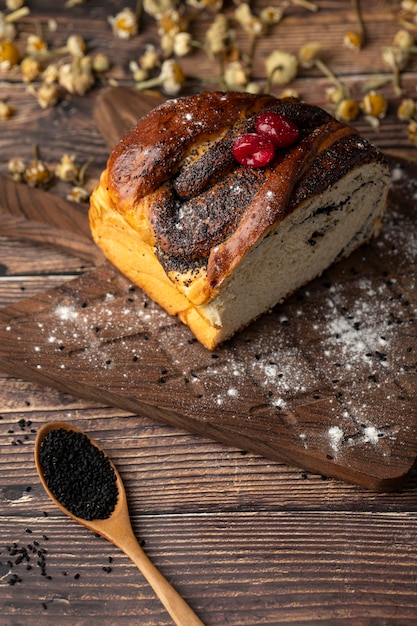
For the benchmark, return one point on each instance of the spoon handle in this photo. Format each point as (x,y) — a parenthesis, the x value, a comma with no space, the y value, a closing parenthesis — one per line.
(176,606)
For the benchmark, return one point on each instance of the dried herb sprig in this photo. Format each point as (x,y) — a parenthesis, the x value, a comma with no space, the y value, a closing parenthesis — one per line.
(359,36)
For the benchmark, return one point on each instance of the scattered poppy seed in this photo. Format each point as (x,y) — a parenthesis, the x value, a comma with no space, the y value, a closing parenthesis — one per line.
(79,474)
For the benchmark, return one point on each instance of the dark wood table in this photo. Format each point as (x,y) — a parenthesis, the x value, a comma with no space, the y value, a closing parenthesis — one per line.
(245,540)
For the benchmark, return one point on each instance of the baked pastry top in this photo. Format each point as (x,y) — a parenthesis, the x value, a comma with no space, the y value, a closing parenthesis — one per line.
(216,242)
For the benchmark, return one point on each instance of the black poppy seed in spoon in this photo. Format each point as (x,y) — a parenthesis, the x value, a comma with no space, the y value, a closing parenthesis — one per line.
(78,474)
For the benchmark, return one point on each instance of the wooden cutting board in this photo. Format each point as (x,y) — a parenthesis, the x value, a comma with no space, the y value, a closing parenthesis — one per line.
(326,382)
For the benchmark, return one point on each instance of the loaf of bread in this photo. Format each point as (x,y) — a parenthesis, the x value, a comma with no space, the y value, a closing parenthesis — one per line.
(217,242)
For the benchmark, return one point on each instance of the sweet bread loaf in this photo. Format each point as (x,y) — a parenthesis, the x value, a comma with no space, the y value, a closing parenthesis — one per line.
(216,241)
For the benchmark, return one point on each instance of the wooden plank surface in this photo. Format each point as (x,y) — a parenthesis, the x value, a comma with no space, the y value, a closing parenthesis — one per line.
(246,540)
(304,384)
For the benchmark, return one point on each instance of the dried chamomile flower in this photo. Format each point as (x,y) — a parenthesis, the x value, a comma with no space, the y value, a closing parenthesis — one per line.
(172,22)
(403,39)
(76,46)
(67,170)
(6,110)
(396,58)
(37,173)
(150,58)
(52,25)
(271,15)
(124,24)
(9,55)
(211,5)
(100,63)
(309,53)
(409,5)
(77,77)
(156,8)
(48,95)
(31,69)
(166,43)
(235,76)
(412,131)
(138,73)
(217,36)
(253,87)
(78,194)
(336,94)
(13,5)
(288,92)
(407,109)
(51,73)
(182,44)
(7,28)
(171,79)
(16,168)
(353,40)
(309,56)
(281,67)
(253,25)
(347,110)
(374,105)
(36,45)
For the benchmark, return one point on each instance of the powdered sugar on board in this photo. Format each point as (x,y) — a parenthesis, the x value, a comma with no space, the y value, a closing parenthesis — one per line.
(328,375)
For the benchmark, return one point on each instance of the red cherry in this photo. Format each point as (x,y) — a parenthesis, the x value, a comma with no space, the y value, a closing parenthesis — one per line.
(278,128)
(253,150)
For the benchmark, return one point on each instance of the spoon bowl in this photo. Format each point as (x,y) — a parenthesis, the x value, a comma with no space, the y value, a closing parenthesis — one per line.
(118,530)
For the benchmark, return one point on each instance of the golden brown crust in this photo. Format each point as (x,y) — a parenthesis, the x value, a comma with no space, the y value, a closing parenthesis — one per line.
(177,214)
(272,203)
(136,259)
(152,150)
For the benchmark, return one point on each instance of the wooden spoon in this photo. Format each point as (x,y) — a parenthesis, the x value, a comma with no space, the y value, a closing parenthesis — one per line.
(118,530)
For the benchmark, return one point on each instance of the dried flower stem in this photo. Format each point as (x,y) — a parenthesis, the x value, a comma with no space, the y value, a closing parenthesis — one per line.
(328,73)
(375,83)
(306,5)
(138,12)
(43,55)
(17,15)
(396,80)
(39,30)
(361,24)
(80,180)
(35,152)
(251,53)
(407,24)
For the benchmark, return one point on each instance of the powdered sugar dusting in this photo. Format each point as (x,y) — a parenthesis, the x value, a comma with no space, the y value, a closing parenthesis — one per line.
(66,313)
(316,368)
(335,434)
